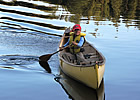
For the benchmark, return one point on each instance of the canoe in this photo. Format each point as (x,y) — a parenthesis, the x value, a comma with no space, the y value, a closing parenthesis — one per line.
(78,91)
(90,73)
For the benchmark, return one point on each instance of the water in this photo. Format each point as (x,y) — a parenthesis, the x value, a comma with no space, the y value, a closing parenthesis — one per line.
(31,28)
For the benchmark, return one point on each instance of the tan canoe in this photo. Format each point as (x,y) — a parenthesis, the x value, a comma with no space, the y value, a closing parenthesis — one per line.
(91,73)
(78,91)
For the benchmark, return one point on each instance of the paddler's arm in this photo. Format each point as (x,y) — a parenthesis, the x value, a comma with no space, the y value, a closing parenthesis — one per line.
(66,43)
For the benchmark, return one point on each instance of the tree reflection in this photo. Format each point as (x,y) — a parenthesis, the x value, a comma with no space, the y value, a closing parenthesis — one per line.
(97,10)
(101,9)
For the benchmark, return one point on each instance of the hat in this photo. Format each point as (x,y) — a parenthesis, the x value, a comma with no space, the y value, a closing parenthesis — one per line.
(77,26)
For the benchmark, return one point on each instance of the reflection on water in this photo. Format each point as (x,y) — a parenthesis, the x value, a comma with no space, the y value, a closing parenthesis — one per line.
(78,91)
(45,65)
(34,27)
(103,10)
(82,10)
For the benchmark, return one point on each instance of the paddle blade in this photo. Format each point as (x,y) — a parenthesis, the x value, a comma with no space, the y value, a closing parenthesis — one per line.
(45,58)
(45,65)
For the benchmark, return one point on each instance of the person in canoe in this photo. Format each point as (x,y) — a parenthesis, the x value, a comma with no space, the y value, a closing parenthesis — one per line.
(76,40)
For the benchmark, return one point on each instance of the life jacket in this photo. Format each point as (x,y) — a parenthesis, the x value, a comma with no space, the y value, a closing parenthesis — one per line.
(75,49)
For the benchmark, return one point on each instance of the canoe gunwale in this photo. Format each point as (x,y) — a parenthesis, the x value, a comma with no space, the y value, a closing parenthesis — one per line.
(104,60)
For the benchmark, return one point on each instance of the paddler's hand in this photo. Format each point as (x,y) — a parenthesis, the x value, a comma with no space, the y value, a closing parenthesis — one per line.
(61,48)
(73,42)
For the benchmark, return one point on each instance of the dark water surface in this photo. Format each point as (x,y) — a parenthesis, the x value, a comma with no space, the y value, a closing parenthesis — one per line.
(31,28)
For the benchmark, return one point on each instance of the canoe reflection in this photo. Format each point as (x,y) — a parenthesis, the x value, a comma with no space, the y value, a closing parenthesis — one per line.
(78,91)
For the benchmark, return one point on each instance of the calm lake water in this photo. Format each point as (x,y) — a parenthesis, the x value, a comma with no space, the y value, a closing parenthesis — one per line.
(31,28)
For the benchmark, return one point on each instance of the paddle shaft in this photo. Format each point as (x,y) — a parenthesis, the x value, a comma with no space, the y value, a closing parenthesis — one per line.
(60,50)
(48,56)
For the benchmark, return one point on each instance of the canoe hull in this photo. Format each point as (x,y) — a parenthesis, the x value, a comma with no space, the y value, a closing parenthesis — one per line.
(90,76)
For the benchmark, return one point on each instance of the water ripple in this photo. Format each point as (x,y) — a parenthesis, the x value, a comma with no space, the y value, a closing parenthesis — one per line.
(17,59)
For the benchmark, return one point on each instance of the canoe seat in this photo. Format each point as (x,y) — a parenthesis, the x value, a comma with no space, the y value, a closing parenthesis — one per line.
(90,55)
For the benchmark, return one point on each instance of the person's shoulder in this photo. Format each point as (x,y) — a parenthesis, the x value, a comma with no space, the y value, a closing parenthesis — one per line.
(71,33)
(83,34)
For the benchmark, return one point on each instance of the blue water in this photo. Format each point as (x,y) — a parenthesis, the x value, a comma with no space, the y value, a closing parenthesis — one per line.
(22,42)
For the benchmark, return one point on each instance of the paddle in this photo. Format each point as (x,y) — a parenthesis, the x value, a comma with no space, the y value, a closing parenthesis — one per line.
(46,57)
